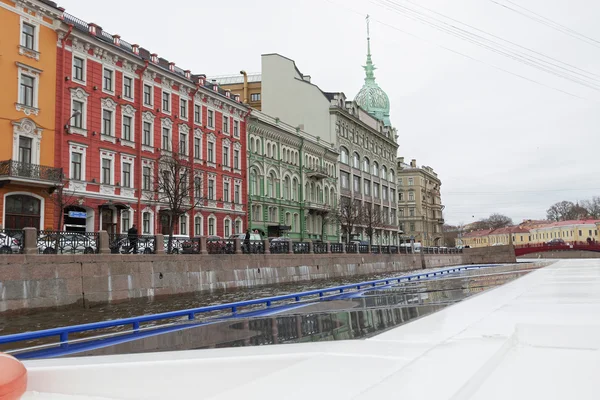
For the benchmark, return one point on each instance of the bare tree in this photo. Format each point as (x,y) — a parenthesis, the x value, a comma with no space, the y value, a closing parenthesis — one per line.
(566,210)
(372,219)
(451,234)
(61,198)
(496,221)
(348,215)
(592,207)
(173,189)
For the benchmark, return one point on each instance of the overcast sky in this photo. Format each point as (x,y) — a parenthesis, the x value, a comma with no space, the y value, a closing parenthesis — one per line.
(500,143)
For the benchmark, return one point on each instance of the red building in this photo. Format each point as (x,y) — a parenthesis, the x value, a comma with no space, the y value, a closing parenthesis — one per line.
(120,108)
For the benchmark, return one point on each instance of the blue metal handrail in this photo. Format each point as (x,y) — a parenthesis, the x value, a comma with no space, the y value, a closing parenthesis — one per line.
(64,332)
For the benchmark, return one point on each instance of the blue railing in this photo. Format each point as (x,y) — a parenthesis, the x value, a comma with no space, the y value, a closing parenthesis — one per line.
(64,332)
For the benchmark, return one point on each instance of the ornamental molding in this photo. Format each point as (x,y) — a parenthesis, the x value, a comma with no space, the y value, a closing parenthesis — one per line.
(128,110)
(128,66)
(150,76)
(166,123)
(25,126)
(79,45)
(212,137)
(198,133)
(183,128)
(226,142)
(166,83)
(108,104)
(237,146)
(148,116)
(79,94)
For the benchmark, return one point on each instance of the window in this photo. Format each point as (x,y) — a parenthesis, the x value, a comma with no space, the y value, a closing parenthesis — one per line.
(411,196)
(27,90)
(78,66)
(375,169)
(384,172)
(147,134)
(411,212)
(226,156)
(125,221)
(197,113)
(295,189)
(183,108)
(400,181)
(376,190)
(183,225)
(28,36)
(356,161)
(401,212)
(127,128)
(210,117)
(183,144)
(393,195)
(211,226)
(238,226)
(211,152)
(227,228)
(236,128)
(166,102)
(107,117)
(183,183)
(148,95)
(366,165)
(410,181)
(384,192)
(343,155)
(127,87)
(211,189)
(367,187)
(255,97)
(78,110)
(356,183)
(146,223)
(197,154)
(126,181)
(76,165)
(236,159)
(401,196)
(166,139)
(106,171)
(146,174)
(108,80)
(412,227)
(345,180)
(197,226)
(225,124)
(236,194)
(226,191)
(197,187)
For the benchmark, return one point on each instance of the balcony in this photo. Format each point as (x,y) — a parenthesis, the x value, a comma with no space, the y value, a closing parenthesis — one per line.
(17,171)
(311,205)
(317,172)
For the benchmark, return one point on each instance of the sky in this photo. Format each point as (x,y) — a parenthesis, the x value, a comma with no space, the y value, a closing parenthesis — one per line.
(503,136)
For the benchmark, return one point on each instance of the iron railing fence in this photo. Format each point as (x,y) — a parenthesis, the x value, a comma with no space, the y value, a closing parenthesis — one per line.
(11,241)
(61,242)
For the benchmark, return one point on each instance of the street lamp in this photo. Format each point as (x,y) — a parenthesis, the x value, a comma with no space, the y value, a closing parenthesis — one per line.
(76,113)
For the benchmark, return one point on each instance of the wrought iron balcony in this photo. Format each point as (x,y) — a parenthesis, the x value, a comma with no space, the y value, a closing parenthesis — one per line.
(21,171)
(317,172)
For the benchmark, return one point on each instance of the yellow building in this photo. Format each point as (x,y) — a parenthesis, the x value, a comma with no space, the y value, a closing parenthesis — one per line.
(569,231)
(248,86)
(28,63)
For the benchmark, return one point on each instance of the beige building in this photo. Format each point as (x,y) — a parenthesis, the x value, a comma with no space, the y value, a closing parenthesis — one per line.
(248,86)
(420,203)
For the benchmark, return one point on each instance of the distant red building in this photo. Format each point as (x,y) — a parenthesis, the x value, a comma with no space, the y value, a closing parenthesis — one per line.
(119,109)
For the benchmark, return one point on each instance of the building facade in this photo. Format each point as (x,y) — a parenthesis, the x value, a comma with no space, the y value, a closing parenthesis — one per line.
(28,173)
(122,111)
(420,204)
(292,184)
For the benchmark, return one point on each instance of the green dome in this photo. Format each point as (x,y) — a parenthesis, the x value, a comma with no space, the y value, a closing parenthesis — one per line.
(371,97)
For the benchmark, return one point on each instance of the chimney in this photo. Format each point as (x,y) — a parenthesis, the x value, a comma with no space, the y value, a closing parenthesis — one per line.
(117,40)
(135,48)
(94,29)
(413,163)
(172,66)
(154,58)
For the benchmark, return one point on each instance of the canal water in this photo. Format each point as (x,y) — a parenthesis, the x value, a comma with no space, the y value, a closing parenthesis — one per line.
(353,316)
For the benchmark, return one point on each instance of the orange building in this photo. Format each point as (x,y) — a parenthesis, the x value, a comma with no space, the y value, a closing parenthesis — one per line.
(28,60)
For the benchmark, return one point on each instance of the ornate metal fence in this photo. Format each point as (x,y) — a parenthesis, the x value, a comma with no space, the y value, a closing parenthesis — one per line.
(280,246)
(123,243)
(337,248)
(59,242)
(11,241)
(220,246)
(301,248)
(320,248)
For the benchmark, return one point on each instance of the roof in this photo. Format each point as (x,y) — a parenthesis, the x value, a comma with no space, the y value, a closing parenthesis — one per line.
(533,338)
(236,79)
(499,231)
(569,223)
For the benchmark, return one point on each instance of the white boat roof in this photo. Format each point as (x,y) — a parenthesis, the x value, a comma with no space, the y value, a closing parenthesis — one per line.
(536,337)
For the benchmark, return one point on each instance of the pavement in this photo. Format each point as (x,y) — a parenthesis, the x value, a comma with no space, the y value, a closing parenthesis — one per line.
(537,337)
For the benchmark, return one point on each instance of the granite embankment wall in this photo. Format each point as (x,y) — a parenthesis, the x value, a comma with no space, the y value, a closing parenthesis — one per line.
(43,281)
(562,254)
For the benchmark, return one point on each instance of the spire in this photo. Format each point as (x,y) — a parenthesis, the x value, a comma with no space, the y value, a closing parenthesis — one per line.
(369,68)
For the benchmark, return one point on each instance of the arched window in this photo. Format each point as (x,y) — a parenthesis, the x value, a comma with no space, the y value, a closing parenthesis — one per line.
(226,227)
(312,192)
(286,188)
(383,172)
(212,226)
(295,189)
(22,211)
(274,151)
(198,228)
(332,198)
(307,192)
(253,183)
(356,160)
(366,165)
(343,155)
(271,185)
(258,146)
(375,168)
(392,176)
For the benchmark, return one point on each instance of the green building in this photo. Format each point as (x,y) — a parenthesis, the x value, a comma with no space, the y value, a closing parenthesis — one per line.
(292,185)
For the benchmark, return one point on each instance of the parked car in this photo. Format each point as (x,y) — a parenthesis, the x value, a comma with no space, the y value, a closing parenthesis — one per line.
(555,242)
(9,244)
(66,243)
(177,243)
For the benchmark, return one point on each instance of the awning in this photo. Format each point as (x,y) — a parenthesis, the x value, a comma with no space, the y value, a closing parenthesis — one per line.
(118,206)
